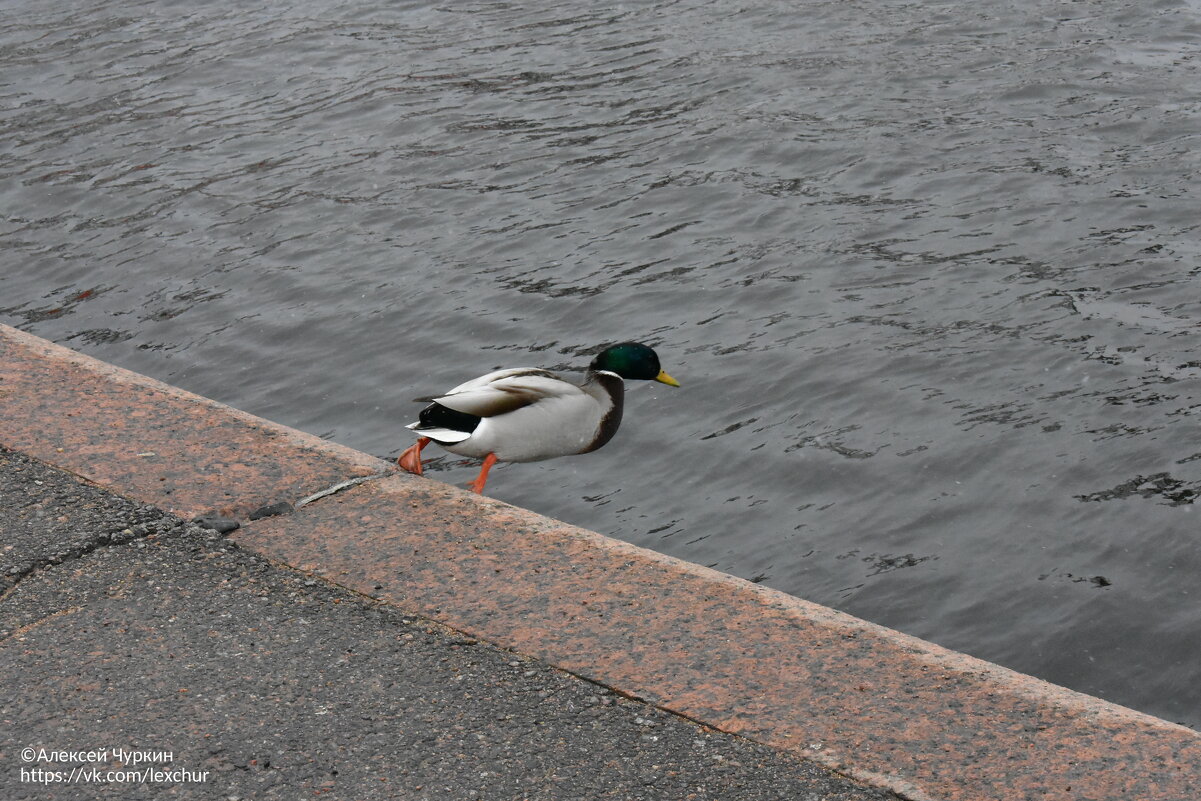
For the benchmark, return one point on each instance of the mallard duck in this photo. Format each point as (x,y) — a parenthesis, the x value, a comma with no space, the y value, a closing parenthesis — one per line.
(525,414)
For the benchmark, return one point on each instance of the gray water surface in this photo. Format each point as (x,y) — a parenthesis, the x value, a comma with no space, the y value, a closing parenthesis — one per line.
(928,273)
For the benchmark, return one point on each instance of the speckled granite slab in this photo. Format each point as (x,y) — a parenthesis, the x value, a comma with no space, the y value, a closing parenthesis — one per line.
(154,442)
(870,702)
(875,704)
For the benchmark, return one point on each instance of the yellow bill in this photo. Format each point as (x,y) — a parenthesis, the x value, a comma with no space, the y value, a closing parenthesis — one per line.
(663,377)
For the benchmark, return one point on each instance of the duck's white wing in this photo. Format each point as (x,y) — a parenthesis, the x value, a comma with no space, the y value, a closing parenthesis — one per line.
(496,375)
(507,391)
(531,418)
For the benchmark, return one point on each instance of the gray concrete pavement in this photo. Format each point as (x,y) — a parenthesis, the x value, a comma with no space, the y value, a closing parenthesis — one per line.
(162,648)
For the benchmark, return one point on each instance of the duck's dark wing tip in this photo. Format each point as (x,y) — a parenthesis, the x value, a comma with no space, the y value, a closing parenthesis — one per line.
(438,416)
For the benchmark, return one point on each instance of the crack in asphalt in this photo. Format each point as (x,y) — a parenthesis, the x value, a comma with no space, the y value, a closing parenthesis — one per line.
(125,536)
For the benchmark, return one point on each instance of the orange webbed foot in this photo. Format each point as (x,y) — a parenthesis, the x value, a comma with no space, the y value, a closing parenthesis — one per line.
(411,459)
(477,486)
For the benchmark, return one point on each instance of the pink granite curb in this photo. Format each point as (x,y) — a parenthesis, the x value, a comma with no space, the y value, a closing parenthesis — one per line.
(155,442)
(880,706)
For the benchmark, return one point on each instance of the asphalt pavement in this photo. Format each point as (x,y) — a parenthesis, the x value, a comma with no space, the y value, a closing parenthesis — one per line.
(142,656)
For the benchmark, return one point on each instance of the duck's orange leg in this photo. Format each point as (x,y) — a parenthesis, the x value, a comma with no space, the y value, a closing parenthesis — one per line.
(411,459)
(477,486)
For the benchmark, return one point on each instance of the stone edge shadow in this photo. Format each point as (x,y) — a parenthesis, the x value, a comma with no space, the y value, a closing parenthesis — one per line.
(872,703)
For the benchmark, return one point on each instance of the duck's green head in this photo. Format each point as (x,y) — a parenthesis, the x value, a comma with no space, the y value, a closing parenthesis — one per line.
(632,360)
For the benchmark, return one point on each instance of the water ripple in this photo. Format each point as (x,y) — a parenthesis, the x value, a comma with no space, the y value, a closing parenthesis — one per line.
(928,276)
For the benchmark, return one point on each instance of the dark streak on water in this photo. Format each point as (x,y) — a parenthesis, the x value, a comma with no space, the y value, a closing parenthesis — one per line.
(928,273)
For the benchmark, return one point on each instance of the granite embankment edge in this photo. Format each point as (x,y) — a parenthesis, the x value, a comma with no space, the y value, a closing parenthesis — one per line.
(875,704)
